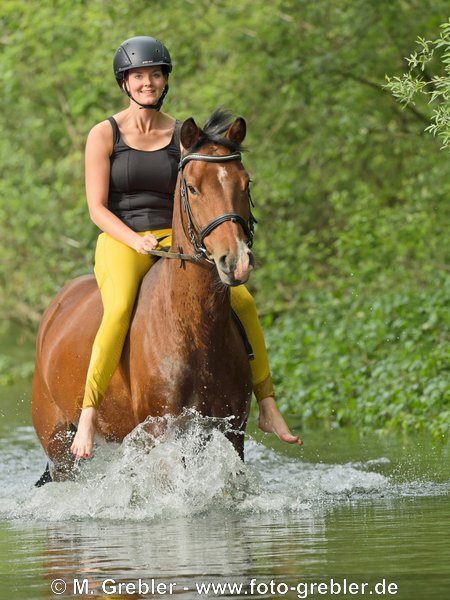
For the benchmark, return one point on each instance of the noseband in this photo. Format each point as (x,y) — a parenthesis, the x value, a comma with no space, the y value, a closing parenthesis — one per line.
(197,239)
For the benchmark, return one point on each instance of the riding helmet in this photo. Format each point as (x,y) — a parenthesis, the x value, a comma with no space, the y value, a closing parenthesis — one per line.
(140,51)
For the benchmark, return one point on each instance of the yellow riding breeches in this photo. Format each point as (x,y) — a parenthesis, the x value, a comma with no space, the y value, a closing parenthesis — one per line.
(119,271)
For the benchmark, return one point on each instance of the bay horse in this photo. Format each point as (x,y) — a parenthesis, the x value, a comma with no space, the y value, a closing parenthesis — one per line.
(183,349)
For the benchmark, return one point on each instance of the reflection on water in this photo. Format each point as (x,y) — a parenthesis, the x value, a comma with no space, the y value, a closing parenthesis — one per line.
(348,542)
(184,510)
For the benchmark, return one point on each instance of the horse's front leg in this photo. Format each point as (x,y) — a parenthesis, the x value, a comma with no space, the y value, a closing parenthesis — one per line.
(237,439)
(62,462)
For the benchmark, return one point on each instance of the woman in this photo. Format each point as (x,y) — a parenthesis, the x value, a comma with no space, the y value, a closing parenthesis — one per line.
(131,171)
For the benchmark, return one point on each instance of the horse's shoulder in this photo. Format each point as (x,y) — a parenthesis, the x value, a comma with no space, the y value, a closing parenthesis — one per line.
(152,292)
(151,278)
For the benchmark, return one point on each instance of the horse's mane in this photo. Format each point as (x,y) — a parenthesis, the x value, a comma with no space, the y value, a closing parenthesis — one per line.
(213,131)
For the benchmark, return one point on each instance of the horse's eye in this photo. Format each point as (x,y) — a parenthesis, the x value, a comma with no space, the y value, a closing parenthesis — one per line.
(192,189)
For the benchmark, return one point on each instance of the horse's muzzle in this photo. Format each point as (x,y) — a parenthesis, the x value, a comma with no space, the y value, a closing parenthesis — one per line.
(235,268)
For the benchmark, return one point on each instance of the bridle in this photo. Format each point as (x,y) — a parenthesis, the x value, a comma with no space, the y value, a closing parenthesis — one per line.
(197,234)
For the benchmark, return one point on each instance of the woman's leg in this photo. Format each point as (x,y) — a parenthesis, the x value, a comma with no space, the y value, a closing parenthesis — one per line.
(270,419)
(119,271)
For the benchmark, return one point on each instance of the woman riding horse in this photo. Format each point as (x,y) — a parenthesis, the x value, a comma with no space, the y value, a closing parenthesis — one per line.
(131,173)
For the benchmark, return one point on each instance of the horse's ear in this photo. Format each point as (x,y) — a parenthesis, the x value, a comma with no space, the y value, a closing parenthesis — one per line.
(237,130)
(190,133)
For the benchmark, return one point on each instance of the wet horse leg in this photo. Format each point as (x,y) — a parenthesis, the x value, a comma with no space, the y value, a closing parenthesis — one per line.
(237,439)
(55,433)
(63,462)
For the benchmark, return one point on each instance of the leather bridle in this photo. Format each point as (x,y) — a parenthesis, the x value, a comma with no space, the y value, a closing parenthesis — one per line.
(198,234)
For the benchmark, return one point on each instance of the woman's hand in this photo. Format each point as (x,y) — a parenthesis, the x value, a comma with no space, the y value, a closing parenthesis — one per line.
(144,243)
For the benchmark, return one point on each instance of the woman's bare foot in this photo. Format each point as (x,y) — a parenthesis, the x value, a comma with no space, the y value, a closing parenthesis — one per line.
(271,421)
(83,441)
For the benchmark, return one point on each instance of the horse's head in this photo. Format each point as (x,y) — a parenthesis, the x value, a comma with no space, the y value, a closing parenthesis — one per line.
(214,188)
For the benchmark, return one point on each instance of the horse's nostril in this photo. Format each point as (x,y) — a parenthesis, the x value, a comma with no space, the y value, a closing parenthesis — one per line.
(223,261)
(227,263)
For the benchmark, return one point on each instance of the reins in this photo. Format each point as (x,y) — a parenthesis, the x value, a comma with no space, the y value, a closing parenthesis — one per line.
(177,255)
(196,234)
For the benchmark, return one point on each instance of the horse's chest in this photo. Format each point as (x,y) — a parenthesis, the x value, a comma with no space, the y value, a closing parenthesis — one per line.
(173,371)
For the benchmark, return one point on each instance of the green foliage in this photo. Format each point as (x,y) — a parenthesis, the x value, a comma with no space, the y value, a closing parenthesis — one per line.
(418,80)
(10,372)
(350,194)
(367,357)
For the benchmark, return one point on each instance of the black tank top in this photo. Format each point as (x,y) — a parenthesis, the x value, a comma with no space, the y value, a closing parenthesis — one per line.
(142,183)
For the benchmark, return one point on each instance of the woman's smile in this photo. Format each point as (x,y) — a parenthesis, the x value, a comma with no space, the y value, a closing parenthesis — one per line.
(146,82)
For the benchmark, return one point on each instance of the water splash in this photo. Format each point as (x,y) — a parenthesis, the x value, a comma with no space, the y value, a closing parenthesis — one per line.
(171,465)
(178,466)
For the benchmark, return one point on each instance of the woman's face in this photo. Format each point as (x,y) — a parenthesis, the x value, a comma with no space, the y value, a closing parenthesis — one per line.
(146,84)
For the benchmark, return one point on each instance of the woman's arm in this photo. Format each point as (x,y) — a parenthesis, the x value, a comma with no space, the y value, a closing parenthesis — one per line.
(97,170)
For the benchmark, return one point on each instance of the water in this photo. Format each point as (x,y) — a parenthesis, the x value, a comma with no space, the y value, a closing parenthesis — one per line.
(346,510)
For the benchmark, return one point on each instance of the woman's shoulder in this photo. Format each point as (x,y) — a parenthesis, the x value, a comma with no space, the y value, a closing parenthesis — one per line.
(102,134)
(102,129)
(169,121)
(174,125)
(119,118)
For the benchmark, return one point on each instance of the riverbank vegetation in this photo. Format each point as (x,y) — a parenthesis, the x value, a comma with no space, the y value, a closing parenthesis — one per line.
(351,193)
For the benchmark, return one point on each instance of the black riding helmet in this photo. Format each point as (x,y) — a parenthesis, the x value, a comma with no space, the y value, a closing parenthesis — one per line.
(141,51)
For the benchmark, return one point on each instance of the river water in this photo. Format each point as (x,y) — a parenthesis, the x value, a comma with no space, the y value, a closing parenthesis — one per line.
(358,515)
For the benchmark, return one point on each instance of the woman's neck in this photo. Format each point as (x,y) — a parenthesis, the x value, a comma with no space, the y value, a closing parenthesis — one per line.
(144,119)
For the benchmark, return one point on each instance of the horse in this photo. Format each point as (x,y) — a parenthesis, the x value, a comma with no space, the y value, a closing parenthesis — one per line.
(183,349)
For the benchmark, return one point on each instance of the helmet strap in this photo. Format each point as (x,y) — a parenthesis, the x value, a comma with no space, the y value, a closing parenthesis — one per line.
(156,106)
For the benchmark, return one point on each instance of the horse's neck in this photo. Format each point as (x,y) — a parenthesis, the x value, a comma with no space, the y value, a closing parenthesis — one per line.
(196,283)
(197,293)
(191,294)
(182,307)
